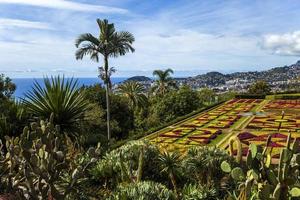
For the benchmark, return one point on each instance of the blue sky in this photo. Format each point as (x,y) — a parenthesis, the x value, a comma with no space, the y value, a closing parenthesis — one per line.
(37,36)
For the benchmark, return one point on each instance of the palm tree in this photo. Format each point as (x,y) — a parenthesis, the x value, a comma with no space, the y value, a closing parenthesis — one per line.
(62,97)
(170,164)
(110,43)
(164,82)
(134,92)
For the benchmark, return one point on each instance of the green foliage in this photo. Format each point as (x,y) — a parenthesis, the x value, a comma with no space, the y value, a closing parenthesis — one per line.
(7,88)
(13,118)
(174,104)
(201,165)
(93,126)
(260,88)
(110,43)
(59,96)
(36,165)
(198,192)
(145,190)
(226,96)
(265,181)
(122,164)
(170,164)
(120,112)
(164,82)
(141,133)
(207,96)
(134,92)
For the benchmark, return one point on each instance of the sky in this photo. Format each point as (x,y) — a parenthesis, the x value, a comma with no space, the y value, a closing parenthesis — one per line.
(190,36)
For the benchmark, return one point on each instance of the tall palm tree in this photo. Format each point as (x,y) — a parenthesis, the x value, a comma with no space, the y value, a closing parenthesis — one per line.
(164,82)
(109,43)
(134,92)
(170,164)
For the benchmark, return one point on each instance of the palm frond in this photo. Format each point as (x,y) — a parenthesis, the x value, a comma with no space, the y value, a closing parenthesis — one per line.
(88,38)
(134,92)
(106,76)
(87,49)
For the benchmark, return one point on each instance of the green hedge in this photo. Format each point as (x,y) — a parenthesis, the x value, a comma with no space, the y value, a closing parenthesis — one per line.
(250,96)
(155,129)
(285,97)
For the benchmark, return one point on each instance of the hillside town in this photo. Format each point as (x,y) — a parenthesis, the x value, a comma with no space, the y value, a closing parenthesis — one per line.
(279,79)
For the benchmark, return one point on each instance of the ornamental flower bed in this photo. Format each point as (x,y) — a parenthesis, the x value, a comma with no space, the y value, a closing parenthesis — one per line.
(273,122)
(278,140)
(217,123)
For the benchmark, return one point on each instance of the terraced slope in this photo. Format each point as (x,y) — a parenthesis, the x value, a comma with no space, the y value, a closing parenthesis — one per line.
(251,120)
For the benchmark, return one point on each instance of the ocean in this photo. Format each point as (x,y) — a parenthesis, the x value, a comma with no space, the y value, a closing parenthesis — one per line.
(25,84)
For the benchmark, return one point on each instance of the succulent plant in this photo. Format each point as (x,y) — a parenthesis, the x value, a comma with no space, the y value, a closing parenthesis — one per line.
(36,163)
(267,180)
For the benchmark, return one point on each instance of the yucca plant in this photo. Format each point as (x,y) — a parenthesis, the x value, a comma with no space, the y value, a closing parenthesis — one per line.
(60,96)
(170,164)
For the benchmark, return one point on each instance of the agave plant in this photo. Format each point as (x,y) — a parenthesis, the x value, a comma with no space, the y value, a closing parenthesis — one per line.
(197,192)
(60,96)
(146,190)
(202,165)
(170,164)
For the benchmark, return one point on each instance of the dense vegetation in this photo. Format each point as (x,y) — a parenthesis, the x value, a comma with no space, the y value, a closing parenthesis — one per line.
(78,123)
(62,141)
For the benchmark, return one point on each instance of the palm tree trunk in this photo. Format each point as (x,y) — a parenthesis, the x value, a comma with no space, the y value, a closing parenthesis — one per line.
(107,98)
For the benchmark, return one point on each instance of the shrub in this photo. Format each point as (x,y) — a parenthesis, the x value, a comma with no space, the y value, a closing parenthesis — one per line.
(145,190)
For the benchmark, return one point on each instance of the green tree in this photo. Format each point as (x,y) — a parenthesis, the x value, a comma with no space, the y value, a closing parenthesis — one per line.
(260,88)
(226,96)
(7,87)
(207,96)
(134,92)
(121,116)
(175,103)
(110,43)
(12,114)
(59,96)
(164,82)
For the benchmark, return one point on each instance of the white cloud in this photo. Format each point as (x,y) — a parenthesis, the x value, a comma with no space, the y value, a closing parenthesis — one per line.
(285,44)
(67,5)
(16,23)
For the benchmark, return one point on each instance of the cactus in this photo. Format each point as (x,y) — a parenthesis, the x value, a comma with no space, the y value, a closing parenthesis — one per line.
(268,181)
(37,162)
(140,167)
(239,154)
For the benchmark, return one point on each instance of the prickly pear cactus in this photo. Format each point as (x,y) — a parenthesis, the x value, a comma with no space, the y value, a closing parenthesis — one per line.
(264,180)
(36,163)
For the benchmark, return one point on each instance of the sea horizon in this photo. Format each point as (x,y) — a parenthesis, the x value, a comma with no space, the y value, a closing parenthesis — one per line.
(25,84)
